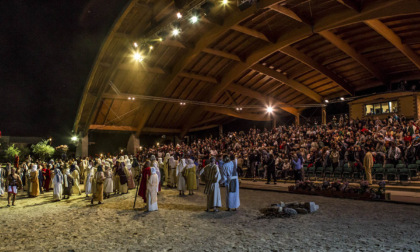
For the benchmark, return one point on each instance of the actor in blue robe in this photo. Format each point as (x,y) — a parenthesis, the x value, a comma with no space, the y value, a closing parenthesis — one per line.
(231,182)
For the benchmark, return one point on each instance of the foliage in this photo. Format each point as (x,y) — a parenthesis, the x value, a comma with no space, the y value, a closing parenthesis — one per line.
(11,152)
(43,150)
(24,153)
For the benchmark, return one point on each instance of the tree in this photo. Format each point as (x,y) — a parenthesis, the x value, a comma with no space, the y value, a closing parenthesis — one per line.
(11,152)
(43,150)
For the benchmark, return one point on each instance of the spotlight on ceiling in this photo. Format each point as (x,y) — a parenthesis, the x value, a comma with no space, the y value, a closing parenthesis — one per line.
(150,47)
(225,2)
(175,32)
(342,98)
(135,44)
(327,101)
(179,15)
(138,57)
(269,109)
(194,19)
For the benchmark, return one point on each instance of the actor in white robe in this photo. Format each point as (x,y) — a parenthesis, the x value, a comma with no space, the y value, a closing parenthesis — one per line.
(231,182)
(182,186)
(57,181)
(109,182)
(76,179)
(88,179)
(152,189)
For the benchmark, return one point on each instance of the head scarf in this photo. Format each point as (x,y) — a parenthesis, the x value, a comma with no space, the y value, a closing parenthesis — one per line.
(152,158)
(153,170)
(34,167)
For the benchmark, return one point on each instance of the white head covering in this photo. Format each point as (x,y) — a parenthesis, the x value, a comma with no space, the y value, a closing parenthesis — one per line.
(172,162)
(153,170)
(34,167)
(160,161)
(190,163)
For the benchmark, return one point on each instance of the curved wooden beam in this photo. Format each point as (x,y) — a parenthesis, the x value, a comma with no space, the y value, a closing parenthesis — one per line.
(395,40)
(247,116)
(305,59)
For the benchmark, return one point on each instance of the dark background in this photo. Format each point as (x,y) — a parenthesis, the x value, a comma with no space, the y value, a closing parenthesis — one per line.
(47,48)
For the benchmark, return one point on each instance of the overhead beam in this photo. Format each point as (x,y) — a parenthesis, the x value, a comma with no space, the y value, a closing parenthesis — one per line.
(266,100)
(211,119)
(198,77)
(229,95)
(243,115)
(173,43)
(350,51)
(287,12)
(297,33)
(222,54)
(161,130)
(111,127)
(289,82)
(204,128)
(351,4)
(250,32)
(395,40)
(305,59)
(133,66)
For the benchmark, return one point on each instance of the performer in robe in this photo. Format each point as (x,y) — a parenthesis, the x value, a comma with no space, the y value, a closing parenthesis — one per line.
(46,172)
(172,172)
(13,183)
(67,183)
(58,184)
(76,177)
(190,176)
(88,179)
(135,169)
(41,178)
(155,163)
(211,176)
(166,168)
(181,179)
(34,187)
(146,172)
(116,177)
(152,189)
(99,179)
(83,166)
(3,179)
(108,183)
(231,182)
(162,172)
(123,189)
(128,171)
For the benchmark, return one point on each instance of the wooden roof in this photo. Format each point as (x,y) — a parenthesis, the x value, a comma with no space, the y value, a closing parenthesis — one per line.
(280,52)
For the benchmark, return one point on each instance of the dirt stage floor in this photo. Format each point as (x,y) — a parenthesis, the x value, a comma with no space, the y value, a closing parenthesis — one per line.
(182,225)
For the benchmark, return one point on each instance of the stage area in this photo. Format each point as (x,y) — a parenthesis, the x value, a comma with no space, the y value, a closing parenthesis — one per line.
(181,224)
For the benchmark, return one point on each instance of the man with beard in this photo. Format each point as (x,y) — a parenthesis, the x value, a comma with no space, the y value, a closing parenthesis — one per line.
(211,176)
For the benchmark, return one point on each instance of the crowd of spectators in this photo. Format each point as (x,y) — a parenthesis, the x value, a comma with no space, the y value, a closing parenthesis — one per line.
(285,150)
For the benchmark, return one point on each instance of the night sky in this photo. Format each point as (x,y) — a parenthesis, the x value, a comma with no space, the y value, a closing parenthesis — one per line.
(47,49)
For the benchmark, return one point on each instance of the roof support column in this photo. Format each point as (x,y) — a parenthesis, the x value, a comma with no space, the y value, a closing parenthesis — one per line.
(324,116)
(297,119)
(133,144)
(82,148)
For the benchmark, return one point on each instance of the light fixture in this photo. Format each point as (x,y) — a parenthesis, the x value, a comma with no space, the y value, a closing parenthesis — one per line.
(327,101)
(74,138)
(239,109)
(182,103)
(224,2)
(342,98)
(132,98)
(129,98)
(175,32)
(137,57)
(269,109)
(194,19)
(150,47)
(135,44)
(160,39)
(157,143)
(179,15)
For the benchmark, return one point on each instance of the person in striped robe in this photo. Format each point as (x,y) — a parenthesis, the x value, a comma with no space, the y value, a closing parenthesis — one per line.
(211,176)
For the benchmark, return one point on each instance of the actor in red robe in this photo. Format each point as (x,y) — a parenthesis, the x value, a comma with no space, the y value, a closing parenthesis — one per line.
(46,172)
(146,173)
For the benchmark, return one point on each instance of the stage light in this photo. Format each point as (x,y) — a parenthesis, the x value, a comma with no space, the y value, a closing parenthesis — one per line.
(327,101)
(132,98)
(135,44)
(182,103)
(74,138)
(342,98)
(157,144)
(137,57)
(179,15)
(160,39)
(269,110)
(150,47)
(225,2)
(175,32)
(194,19)
(129,98)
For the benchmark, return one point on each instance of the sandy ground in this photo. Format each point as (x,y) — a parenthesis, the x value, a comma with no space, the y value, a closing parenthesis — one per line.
(182,225)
